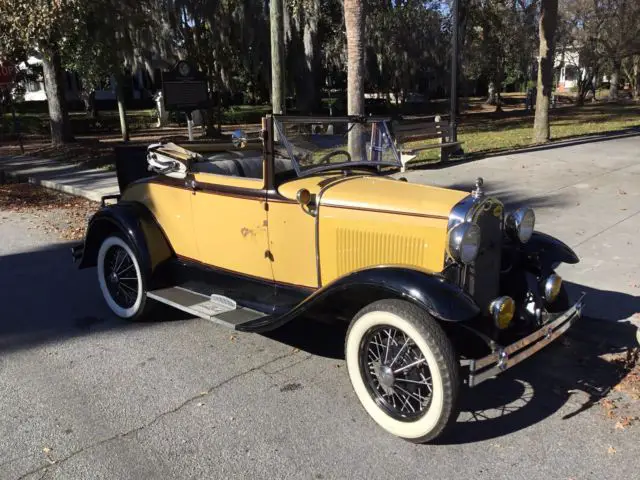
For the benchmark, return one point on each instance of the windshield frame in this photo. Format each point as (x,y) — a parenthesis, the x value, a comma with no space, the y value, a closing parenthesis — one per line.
(383,121)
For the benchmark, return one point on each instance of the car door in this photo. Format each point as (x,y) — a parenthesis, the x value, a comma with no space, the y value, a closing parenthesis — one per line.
(230,216)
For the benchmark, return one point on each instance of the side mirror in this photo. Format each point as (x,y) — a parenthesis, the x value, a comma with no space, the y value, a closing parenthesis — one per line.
(239,139)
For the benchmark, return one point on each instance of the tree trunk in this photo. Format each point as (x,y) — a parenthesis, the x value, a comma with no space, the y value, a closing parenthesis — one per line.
(54,89)
(122,109)
(636,77)
(89,100)
(491,94)
(615,80)
(310,95)
(277,56)
(354,23)
(548,22)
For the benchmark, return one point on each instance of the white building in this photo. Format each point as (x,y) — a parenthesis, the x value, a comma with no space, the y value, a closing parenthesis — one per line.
(142,85)
(568,62)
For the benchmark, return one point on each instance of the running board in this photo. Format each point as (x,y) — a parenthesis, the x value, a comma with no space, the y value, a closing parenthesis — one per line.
(216,309)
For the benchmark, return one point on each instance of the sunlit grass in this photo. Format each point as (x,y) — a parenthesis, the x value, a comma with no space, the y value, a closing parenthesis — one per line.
(489,133)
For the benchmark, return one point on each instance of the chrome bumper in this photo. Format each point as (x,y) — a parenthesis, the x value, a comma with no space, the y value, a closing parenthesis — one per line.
(506,357)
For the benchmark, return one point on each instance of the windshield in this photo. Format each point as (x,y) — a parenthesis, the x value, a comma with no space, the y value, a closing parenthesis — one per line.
(316,145)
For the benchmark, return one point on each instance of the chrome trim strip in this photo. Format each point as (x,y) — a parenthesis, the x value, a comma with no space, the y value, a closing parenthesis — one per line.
(481,369)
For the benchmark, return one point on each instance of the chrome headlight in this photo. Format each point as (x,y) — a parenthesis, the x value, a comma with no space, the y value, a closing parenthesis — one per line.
(551,287)
(520,224)
(463,242)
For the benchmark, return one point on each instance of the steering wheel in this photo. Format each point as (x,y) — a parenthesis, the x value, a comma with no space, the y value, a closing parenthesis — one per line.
(329,156)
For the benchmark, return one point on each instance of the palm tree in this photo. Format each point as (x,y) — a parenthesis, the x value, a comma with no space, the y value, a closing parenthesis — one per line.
(354,23)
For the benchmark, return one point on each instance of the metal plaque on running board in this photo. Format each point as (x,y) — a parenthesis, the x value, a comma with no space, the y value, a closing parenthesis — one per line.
(220,304)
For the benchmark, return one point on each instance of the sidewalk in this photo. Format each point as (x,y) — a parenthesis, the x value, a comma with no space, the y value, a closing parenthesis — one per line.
(90,183)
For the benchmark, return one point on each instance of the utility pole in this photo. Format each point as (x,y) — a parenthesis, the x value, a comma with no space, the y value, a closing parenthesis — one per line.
(277,56)
(454,71)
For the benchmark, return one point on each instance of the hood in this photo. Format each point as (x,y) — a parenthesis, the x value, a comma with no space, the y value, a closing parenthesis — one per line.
(389,195)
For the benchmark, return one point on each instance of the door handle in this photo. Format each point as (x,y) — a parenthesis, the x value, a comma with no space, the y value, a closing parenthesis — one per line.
(192,184)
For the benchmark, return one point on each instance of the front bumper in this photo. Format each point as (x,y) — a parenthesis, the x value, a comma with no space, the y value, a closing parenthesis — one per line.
(506,357)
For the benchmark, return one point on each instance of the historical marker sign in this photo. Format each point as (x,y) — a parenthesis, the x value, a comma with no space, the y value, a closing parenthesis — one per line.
(184,88)
(7,75)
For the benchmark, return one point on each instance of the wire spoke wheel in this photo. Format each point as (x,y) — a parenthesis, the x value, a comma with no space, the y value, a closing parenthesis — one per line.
(123,288)
(395,372)
(403,369)
(120,278)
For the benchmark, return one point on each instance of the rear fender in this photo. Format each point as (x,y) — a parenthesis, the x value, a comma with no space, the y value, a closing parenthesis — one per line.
(432,292)
(137,224)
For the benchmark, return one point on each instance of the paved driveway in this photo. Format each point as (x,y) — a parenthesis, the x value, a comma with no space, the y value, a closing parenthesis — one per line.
(588,196)
(85,396)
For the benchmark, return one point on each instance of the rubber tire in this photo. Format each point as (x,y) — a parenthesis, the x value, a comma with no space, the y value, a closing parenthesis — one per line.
(441,359)
(138,309)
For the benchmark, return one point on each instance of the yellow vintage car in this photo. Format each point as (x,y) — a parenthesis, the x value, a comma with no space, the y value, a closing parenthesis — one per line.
(441,287)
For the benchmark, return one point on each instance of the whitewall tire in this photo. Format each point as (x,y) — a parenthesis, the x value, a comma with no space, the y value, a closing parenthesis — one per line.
(403,369)
(120,277)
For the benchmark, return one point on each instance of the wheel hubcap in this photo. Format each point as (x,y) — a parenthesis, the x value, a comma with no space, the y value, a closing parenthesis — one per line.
(385,376)
(395,372)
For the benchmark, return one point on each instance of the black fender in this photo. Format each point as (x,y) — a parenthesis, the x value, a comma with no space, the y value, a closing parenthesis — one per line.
(440,298)
(549,250)
(137,224)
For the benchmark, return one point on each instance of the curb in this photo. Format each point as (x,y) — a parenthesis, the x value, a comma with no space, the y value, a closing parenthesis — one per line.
(53,185)
(78,192)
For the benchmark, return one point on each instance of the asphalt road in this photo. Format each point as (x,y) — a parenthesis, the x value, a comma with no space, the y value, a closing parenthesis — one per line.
(84,395)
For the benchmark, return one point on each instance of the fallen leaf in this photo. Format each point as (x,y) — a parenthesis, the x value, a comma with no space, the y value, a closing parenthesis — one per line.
(607,404)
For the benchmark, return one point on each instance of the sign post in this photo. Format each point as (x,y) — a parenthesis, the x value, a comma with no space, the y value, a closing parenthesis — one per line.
(184,89)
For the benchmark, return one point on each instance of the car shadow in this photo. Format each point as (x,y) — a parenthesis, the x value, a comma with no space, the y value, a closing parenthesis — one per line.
(46,299)
(569,376)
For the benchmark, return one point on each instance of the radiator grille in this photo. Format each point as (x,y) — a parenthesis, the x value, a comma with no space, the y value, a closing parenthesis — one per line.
(483,276)
(358,249)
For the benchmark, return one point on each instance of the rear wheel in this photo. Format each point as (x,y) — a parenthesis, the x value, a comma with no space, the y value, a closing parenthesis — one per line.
(403,369)
(121,279)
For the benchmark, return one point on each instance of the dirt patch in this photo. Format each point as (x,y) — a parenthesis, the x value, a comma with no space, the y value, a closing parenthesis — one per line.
(622,405)
(59,214)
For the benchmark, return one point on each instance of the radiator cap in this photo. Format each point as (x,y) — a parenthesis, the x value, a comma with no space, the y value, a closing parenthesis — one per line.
(478,192)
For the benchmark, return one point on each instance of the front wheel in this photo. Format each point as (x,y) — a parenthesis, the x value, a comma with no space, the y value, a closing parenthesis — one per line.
(403,369)
(121,279)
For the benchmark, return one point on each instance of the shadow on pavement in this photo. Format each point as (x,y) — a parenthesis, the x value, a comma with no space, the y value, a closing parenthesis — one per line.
(44,298)
(513,198)
(568,375)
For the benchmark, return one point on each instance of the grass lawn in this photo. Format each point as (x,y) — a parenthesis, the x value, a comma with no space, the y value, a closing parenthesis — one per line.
(486,133)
